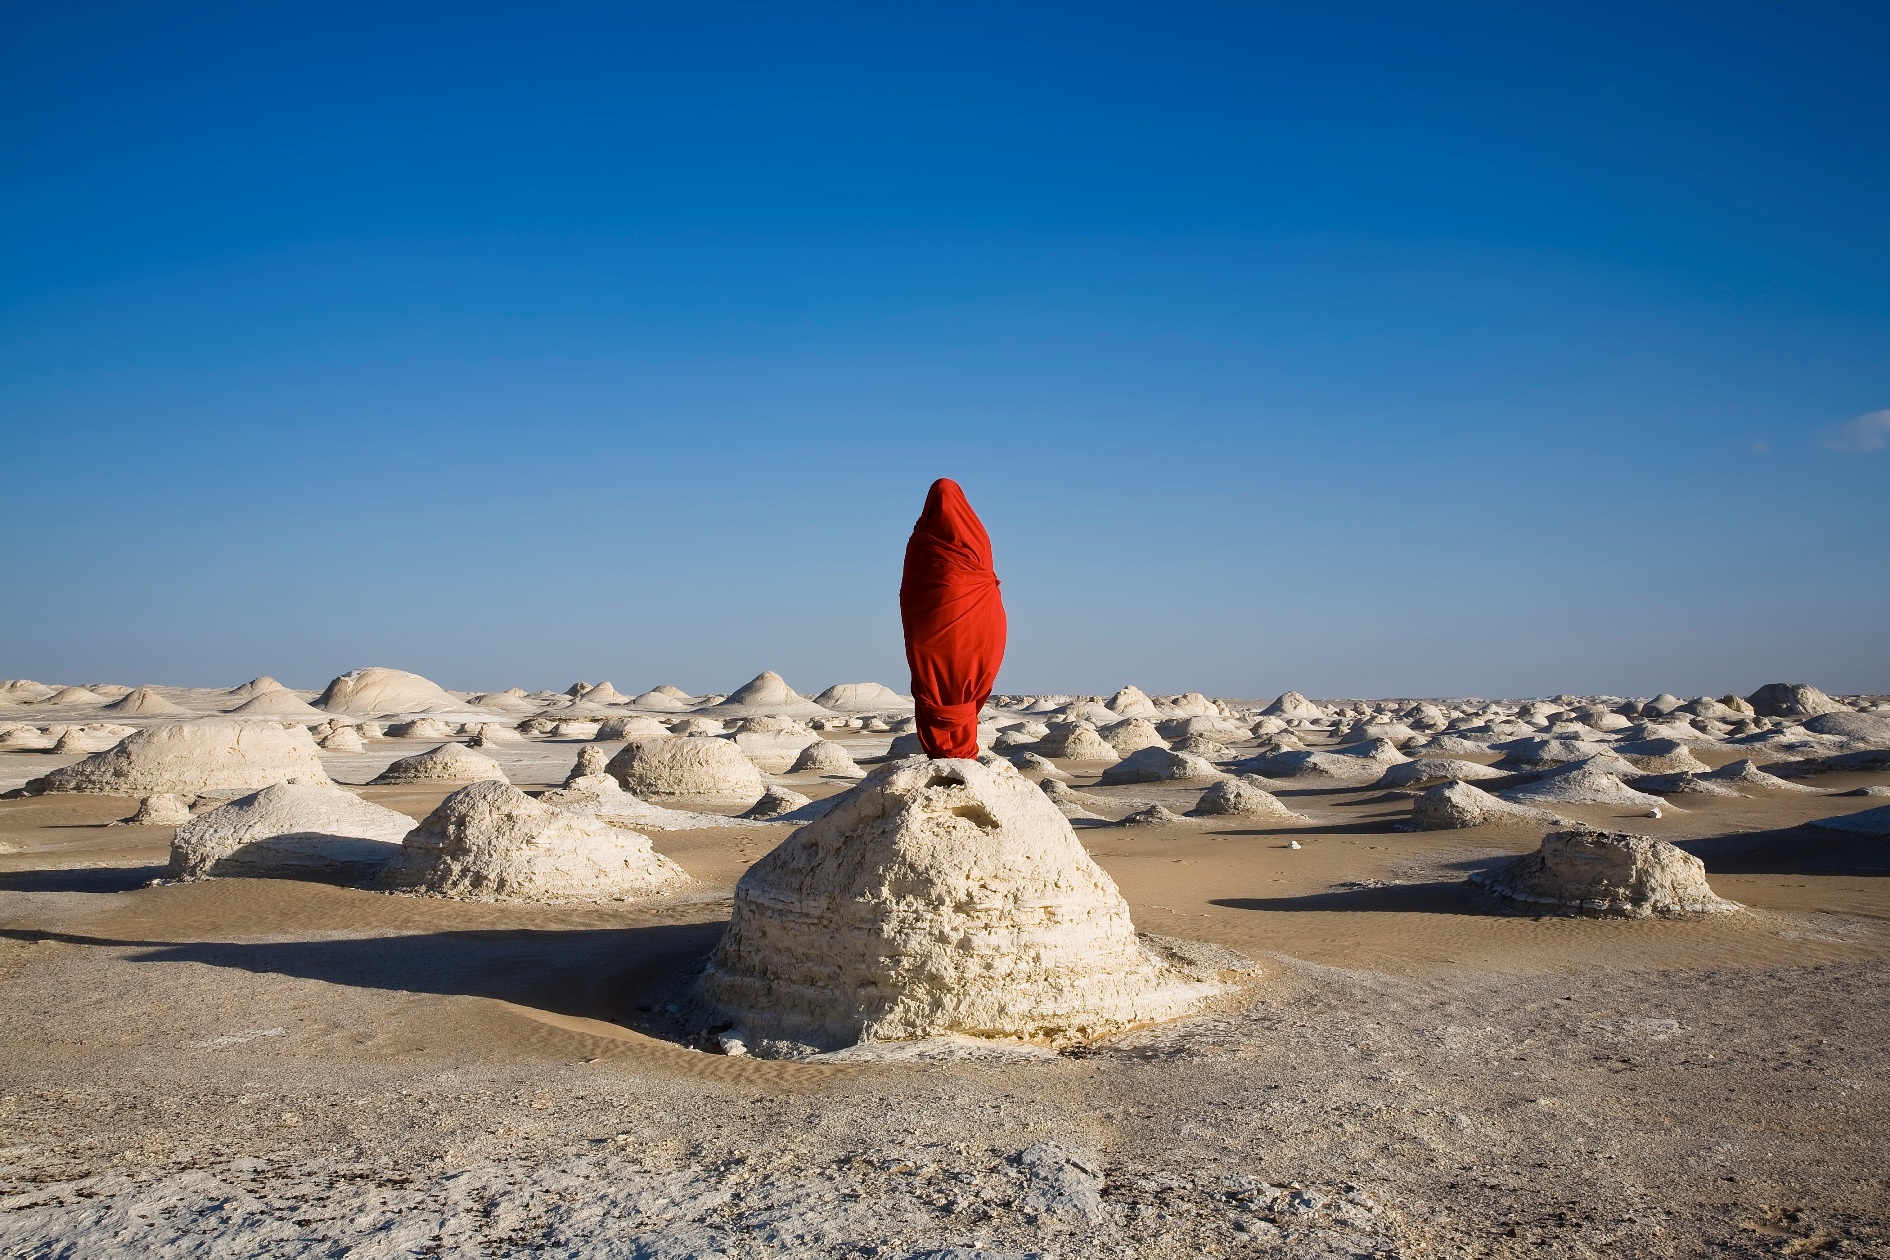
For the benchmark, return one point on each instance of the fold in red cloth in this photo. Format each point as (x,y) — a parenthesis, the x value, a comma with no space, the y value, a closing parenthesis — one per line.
(954,621)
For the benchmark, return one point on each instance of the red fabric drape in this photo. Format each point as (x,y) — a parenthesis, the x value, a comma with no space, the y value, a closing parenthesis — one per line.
(954,621)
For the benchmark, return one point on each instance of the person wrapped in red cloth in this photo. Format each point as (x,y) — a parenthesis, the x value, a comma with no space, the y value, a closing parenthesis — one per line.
(954,621)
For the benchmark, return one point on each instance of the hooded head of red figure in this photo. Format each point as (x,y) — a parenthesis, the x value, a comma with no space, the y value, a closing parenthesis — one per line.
(954,621)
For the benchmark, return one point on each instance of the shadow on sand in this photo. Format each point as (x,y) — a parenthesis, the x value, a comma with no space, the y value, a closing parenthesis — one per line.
(1441,897)
(85,879)
(607,973)
(1792,851)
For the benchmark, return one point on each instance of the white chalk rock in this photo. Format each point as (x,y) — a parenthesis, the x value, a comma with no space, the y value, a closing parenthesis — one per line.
(1454,805)
(1580,783)
(191,758)
(1244,798)
(451,763)
(161,809)
(420,728)
(1076,741)
(823,756)
(866,697)
(1131,735)
(378,689)
(1433,769)
(664,766)
(491,842)
(143,700)
(279,702)
(343,739)
(289,831)
(768,692)
(1160,765)
(937,898)
(1606,875)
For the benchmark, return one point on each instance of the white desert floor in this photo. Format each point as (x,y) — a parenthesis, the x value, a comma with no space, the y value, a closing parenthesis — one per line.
(278,1068)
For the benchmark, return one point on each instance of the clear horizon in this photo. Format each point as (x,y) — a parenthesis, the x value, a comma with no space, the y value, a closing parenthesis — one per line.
(1359,351)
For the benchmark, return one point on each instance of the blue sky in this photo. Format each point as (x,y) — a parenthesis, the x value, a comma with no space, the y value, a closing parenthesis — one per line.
(1362,349)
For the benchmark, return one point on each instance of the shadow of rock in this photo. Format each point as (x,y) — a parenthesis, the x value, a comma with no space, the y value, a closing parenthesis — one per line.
(1441,897)
(1791,851)
(85,879)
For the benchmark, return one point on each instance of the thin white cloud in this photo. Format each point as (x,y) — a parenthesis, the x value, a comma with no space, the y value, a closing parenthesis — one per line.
(1869,432)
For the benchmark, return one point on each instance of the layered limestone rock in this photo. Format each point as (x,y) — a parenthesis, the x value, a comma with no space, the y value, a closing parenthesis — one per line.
(1453,806)
(1076,741)
(451,763)
(1581,783)
(1160,765)
(192,758)
(938,897)
(1244,798)
(1790,700)
(768,692)
(825,757)
(144,701)
(491,842)
(289,831)
(378,689)
(664,766)
(161,809)
(866,697)
(1427,770)
(276,703)
(1605,875)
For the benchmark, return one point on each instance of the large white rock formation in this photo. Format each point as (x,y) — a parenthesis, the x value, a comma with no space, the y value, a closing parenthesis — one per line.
(866,697)
(706,768)
(378,689)
(191,758)
(768,692)
(1790,700)
(1159,765)
(491,842)
(1244,798)
(1452,806)
(1606,875)
(449,763)
(289,831)
(938,897)
(146,702)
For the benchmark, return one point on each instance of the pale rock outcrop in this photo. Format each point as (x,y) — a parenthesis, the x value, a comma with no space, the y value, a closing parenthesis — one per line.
(1747,772)
(775,802)
(768,692)
(1076,741)
(823,756)
(1868,822)
(1160,765)
(1866,729)
(1293,705)
(450,763)
(24,691)
(1243,798)
(1660,756)
(22,738)
(289,831)
(491,842)
(660,702)
(255,687)
(91,737)
(144,701)
(161,809)
(698,726)
(1605,875)
(664,766)
(378,689)
(1428,770)
(629,728)
(1453,806)
(1353,762)
(191,758)
(937,898)
(1132,702)
(1131,735)
(279,702)
(343,739)
(776,751)
(1580,783)
(864,697)
(420,728)
(1539,754)
(71,696)
(1035,763)
(1791,700)
(1156,815)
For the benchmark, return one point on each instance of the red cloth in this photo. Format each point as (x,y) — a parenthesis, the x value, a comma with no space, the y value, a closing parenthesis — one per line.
(954,620)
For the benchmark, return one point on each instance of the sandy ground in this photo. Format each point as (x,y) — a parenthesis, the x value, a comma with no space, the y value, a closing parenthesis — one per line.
(277,1068)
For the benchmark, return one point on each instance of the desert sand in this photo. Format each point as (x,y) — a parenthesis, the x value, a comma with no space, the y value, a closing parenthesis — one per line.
(1395,1042)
